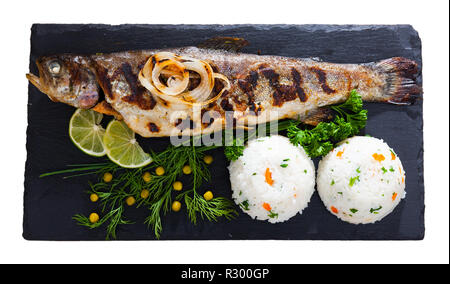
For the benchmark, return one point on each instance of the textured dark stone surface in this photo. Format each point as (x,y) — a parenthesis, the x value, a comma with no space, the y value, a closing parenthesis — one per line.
(50,203)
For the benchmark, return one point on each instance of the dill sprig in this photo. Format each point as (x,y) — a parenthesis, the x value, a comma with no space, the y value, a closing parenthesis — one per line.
(114,216)
(173,160)
(195,203)
(85,169)
(112,197)
(211,210)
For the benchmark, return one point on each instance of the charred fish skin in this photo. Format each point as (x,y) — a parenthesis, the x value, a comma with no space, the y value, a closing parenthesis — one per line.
(262,89)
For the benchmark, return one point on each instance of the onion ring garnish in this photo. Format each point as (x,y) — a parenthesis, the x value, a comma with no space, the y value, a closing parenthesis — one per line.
(177,70)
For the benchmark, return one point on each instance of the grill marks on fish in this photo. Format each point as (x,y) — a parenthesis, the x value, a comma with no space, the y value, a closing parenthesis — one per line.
(298,81)
(282,92)
(137,91)
(322,77)
(153,127)
(270,74)
(104,81)
(79,74)
(252,78)
(248,84)
(256,108)
(225,103)
(138,95)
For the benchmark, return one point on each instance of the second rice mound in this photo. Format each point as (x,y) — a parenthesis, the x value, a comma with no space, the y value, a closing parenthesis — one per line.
(273,180)
(361,181)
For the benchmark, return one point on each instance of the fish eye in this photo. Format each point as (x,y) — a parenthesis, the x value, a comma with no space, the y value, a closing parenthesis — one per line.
(54,67)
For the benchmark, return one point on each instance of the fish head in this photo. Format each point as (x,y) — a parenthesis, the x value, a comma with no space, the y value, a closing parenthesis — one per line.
(68,79)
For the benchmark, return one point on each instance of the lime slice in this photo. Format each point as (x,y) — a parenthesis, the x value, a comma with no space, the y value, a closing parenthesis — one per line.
(86,132)
(122,148)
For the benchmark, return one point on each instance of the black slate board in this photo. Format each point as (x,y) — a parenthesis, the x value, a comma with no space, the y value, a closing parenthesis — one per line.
(50,203)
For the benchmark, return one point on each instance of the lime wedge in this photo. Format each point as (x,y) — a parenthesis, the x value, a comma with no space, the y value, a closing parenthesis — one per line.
(122,148)
(86,132)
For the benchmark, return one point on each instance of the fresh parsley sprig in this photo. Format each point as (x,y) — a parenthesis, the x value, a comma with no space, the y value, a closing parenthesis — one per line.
(234,151)
(351,113)
(318,141)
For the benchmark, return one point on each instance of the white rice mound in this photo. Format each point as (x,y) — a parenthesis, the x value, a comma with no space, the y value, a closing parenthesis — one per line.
(361,181)
(292,173)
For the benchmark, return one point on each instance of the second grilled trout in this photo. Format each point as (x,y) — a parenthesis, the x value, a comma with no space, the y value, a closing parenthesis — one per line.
(247,89)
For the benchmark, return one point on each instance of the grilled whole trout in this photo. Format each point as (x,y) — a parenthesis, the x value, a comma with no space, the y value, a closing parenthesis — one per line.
(262,88)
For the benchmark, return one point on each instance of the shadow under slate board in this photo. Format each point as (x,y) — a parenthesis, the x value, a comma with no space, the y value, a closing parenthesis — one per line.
(50,203)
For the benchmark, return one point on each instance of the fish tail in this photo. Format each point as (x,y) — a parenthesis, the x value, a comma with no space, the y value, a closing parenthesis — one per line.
(401,87)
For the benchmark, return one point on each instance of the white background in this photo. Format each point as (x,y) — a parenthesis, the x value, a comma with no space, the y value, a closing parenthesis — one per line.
(429,18)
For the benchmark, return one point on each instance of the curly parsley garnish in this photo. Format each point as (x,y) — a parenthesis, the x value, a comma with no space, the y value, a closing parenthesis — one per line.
(234,151)
(318,141)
